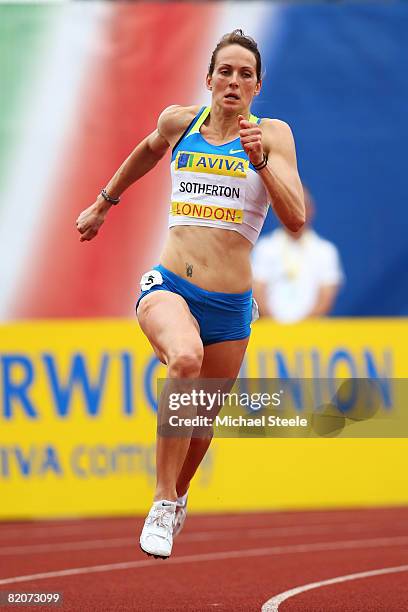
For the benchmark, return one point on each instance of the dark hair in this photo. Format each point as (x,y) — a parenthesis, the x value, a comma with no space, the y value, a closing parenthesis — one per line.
(237,37)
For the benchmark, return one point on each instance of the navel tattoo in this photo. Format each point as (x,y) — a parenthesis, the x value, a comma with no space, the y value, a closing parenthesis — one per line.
(189,269)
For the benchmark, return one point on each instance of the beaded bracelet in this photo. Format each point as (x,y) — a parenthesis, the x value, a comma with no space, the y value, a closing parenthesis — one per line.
(109,198)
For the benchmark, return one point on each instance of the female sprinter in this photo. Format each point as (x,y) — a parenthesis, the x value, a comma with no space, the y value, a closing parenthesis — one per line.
(195,307)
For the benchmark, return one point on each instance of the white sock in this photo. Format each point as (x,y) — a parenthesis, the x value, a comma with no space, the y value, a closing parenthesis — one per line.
(182,500)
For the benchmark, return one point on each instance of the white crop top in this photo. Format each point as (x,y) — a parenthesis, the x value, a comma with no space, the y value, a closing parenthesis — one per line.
(216,185)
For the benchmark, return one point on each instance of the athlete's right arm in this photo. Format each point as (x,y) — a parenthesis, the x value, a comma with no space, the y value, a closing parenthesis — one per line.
(171,124)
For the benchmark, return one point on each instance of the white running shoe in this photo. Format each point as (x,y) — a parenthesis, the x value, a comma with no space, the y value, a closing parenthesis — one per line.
(181,513)
(157,534)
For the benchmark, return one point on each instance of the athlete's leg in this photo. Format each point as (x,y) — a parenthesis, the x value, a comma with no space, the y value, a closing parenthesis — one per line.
(174,335)
(221,360)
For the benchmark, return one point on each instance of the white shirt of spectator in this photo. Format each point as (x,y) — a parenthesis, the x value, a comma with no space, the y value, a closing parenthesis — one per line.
(294,271)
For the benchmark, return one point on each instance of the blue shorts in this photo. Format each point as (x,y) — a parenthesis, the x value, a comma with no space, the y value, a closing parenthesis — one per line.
(221,316)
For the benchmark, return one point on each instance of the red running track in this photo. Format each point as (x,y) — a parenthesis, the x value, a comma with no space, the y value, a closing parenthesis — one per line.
(234,562)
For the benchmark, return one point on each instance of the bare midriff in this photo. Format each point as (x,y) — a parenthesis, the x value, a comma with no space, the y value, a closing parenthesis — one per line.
(211,258)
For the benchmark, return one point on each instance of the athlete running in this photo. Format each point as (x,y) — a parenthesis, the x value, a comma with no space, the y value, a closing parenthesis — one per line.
(195,307)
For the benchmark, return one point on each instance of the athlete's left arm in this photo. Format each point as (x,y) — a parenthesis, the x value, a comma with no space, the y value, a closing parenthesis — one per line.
(280,176)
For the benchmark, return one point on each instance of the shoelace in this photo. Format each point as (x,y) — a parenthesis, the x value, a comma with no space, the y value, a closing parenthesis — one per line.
(161,519)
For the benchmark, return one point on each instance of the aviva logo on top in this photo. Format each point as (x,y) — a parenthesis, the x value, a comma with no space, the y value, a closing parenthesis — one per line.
(210,163)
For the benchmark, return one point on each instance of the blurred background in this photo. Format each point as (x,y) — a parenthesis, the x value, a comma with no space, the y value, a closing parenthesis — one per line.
(81,84)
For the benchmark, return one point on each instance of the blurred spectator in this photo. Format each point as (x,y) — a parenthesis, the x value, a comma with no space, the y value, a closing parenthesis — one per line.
(296,275)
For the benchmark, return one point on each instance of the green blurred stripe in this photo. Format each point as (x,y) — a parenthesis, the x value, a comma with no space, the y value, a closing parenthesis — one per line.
(23,42)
